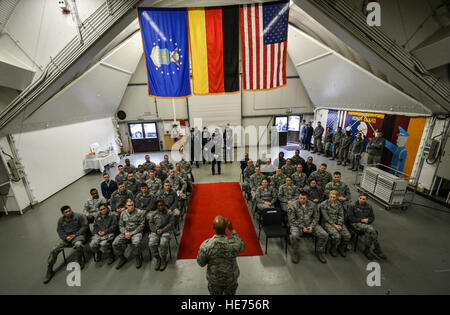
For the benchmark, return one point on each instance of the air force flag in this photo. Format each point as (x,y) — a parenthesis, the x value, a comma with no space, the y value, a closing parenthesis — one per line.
(165,39)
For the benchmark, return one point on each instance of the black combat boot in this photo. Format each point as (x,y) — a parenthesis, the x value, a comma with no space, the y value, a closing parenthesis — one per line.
(377,251)
(111,259)
(342,251)
(138,260)
(157,263)
(122,261)
(321,257)
(333,250)
(49,274)
(368,254)
(97,256)
(80,259)
(295,258)
(163,264)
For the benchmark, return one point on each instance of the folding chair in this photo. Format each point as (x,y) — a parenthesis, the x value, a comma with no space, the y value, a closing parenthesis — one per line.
(271,225)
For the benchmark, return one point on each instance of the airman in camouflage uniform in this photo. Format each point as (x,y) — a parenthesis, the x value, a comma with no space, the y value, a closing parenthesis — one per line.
(105,227)
(287,194)
(315,193)
(154,184)
(342,188)
(375,149)
(145,200)
(278,179)
(318,133)
(121,176)
(299,178)
(322,177)
(119,198)
(297,159)
(128,167)
(161,224)
(141,175)
(166,166)
(303,218)
(336,143)
(187,177)
(265,196)
(170,199)
(131,226)
(361,217)
(255,181)
(356,151)
(248,172)
(332,221)
(179,185)
(148,165)
(344,148)
(219,253)
(328,140)
(132,184)
(159,173)
(90,208)
(288,169)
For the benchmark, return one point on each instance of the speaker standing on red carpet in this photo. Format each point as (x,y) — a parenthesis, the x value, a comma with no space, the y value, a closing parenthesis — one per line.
(219,253)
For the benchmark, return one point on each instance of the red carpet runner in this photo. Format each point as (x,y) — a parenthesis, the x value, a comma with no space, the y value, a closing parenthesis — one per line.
(206,202)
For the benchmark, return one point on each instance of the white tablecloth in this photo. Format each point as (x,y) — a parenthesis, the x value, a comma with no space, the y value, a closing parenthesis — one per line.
(100,162)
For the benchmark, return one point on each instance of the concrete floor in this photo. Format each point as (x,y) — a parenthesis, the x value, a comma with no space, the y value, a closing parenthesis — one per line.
(416,242)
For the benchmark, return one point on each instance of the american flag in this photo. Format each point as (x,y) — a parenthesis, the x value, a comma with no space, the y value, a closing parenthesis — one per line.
(264,44)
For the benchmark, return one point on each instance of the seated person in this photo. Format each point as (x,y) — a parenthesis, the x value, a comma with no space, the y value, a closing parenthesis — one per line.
(361,217)
(160,223)
(322,176)
(159,173)
(265,197)
(303,218)
(278,179)
(91,205)
(309,166)
(243,163)
(129,168)
(132,184)
(184,176)
(105,227)
(170,199)
(340,187)
(119,199)
(154,184)
(131,225)
(179,185)
(121,176)
(144,200)
(288,169)
(186,168)
(108,187)
(268,169)
(255,181)
(248,172)
(299,178)
(287,194)
(141,175)
(297,159)
(262,160)
(315,194)
(279,161)
(72,230)
(148,165)
(333,220)
(166,166)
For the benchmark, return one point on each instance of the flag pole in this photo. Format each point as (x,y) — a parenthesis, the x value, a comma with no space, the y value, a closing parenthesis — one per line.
(174,113)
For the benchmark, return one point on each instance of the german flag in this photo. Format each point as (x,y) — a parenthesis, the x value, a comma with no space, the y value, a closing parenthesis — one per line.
(214,42)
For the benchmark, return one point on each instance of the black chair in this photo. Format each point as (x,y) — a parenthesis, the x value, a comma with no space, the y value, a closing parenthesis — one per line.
(271,225)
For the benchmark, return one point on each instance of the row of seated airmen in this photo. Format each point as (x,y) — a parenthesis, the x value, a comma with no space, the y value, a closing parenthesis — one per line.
(148,199)
(318,204)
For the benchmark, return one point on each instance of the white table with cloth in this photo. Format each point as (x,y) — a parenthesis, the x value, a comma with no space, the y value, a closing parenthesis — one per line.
(100,161)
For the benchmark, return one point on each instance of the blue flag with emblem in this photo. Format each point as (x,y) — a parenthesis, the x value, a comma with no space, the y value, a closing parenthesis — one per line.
(165,39)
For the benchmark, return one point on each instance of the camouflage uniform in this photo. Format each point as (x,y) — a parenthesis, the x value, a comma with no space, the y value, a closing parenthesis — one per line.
(314,193)
(328,140)
(159,244)
(145,202)
(334,214)
(296,160)
(356,213)
(341,188)
(149,166)
(375,150)
(322,179)
(134,186)
(170,200)
(91,206)
(161,175)
(104,223)
(255,182)
(177,183)
(154,186)
(121,177)
(220,252)
(186,167)
(344,147)
(166,166)
(288,170)
(141,177)
(118,200)
(336,144)
(261,161)
(78,225)
(277,181)
(357,149)
(134,223)
(129,169)
(265,194)
(248,172)
(318,133)
(306,215)
(287,193)
(299,179)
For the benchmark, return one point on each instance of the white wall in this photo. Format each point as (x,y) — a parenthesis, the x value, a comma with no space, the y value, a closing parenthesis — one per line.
(53,157)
